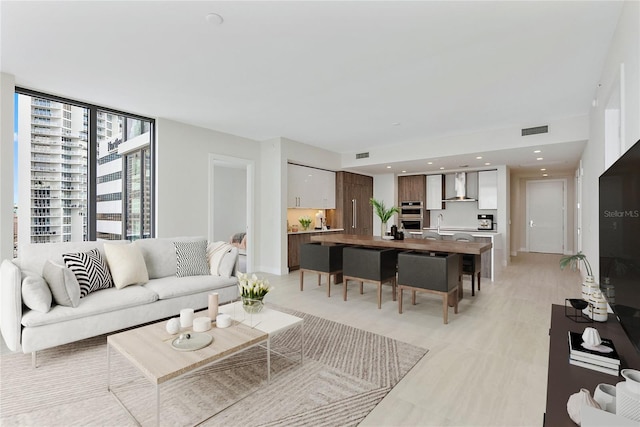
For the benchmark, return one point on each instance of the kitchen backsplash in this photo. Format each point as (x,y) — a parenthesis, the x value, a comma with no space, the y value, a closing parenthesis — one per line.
(294,214)
(460,214)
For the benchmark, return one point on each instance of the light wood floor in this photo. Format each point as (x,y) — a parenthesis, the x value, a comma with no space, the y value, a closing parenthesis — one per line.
(488,366)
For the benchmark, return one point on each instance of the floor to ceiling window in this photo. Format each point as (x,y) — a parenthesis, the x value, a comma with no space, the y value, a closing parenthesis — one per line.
(82,172)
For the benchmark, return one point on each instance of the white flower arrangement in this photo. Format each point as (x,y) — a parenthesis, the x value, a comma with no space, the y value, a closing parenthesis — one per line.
(305,221)
(252,287)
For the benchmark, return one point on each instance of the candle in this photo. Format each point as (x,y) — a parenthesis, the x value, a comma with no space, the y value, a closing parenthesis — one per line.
(186,317)
(213,305)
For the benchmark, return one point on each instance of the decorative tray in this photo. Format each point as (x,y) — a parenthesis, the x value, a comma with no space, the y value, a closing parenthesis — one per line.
(191,341)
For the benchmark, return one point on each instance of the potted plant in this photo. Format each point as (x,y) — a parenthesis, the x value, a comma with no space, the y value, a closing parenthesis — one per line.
(305,222)
(383,213)
(572,261)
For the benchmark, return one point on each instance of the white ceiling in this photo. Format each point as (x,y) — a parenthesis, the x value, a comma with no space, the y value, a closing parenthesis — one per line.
(334,74)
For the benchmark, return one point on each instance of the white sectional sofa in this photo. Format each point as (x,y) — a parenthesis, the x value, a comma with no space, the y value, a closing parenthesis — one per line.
(106,310)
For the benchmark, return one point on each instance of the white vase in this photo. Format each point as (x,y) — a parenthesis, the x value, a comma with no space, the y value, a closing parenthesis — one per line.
(383,229)
(575,403)
(588,286)
(598,306)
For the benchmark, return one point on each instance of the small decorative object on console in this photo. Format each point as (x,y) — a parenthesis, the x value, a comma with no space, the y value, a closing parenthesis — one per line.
(173,326)
(592,352)
(574,310)
(575,403)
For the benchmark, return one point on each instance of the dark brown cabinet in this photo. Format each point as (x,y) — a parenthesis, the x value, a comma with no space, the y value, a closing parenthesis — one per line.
(412,188)
(293,248)
(354,212)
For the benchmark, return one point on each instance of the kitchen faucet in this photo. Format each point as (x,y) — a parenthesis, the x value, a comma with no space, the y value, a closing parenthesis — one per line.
(440,219)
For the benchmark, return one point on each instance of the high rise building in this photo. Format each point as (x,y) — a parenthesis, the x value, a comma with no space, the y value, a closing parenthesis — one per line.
(52,171)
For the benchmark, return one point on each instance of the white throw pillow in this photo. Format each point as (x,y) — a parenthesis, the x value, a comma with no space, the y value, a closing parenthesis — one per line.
(64,286)
(35,292)
(216,251)
(228,263)
(126,264)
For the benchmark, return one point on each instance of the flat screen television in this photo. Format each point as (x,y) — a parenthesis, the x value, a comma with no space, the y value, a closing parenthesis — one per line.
(619,189)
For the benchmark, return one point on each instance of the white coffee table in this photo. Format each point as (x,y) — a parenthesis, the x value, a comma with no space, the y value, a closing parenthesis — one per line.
(148,348)
(270,321)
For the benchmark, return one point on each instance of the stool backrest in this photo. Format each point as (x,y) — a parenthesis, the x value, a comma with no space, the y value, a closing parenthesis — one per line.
(431,235)
(463,237)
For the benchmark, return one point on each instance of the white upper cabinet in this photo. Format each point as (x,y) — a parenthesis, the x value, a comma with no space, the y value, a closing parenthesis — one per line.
(434,192)
(310,188)
(488,189)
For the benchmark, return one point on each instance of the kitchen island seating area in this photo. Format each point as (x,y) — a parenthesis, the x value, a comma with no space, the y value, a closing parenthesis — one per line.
(322,260)
(374,265)
(448,284)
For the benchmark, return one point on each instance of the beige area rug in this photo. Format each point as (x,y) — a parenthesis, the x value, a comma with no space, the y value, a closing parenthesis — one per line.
(346,372)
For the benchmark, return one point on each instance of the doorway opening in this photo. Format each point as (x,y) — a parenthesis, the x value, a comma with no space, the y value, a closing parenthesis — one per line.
(546,216)
(231,196)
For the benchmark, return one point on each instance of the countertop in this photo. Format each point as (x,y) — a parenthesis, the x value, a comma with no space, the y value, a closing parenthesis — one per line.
(316,231)
(449,231)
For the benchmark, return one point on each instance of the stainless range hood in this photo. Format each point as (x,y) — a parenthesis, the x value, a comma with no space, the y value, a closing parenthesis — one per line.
(460,185)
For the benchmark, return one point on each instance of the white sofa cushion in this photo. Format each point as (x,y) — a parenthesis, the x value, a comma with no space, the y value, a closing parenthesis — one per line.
(126,264)
(171,287)
(103,301)
(35,292)
(63,284)
(228,263)
(216,251)
(191,258)
(160,255)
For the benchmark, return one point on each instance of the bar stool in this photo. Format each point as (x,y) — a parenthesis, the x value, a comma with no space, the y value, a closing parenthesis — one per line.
(471,264)
(321,260)
(431,235)
(436,273)
(370,265)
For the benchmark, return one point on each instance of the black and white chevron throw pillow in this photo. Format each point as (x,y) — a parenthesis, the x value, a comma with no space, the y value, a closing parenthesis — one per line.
(90,269)
(191,258)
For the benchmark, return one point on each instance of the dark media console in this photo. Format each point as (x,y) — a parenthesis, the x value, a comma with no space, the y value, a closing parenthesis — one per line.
(564,379)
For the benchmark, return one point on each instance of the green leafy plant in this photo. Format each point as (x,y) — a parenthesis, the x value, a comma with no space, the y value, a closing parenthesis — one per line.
(304,221)
(382,211)
(573,260)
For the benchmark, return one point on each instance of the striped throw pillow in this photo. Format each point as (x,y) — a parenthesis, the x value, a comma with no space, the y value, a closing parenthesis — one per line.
(90,269)
(191,258)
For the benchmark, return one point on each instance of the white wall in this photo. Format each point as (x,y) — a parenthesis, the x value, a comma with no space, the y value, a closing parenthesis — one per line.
(183,184)
(7,89)
(230,202)
(385,189)
(625,49)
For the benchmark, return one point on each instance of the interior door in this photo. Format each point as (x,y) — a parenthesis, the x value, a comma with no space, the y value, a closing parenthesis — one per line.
(546,217)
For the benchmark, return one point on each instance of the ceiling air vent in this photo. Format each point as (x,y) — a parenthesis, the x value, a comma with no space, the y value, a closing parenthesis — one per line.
(536,130)
(362,155)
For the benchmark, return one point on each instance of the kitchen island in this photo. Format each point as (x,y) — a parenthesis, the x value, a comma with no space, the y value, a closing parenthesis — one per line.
(449,246)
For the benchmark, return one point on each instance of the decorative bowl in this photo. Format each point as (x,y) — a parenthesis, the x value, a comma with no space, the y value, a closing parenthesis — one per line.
(578,303)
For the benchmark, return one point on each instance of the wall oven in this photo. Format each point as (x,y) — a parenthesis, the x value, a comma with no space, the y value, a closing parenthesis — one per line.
(411,224)
(411,215)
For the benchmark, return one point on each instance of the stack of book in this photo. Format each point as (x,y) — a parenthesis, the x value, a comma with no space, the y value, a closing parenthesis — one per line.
(594,358)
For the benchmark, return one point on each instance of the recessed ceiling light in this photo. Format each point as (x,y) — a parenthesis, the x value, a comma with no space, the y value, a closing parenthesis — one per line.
(214,18)
(540,158)
(545,174)
(404,171)
(388,167)
(442,168)
(537,151)
(487,163)
(429,163)
(478,157)
(396,123)
(543,169)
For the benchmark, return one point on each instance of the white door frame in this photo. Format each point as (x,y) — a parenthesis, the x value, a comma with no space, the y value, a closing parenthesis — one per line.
(564,210)
(249,166)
